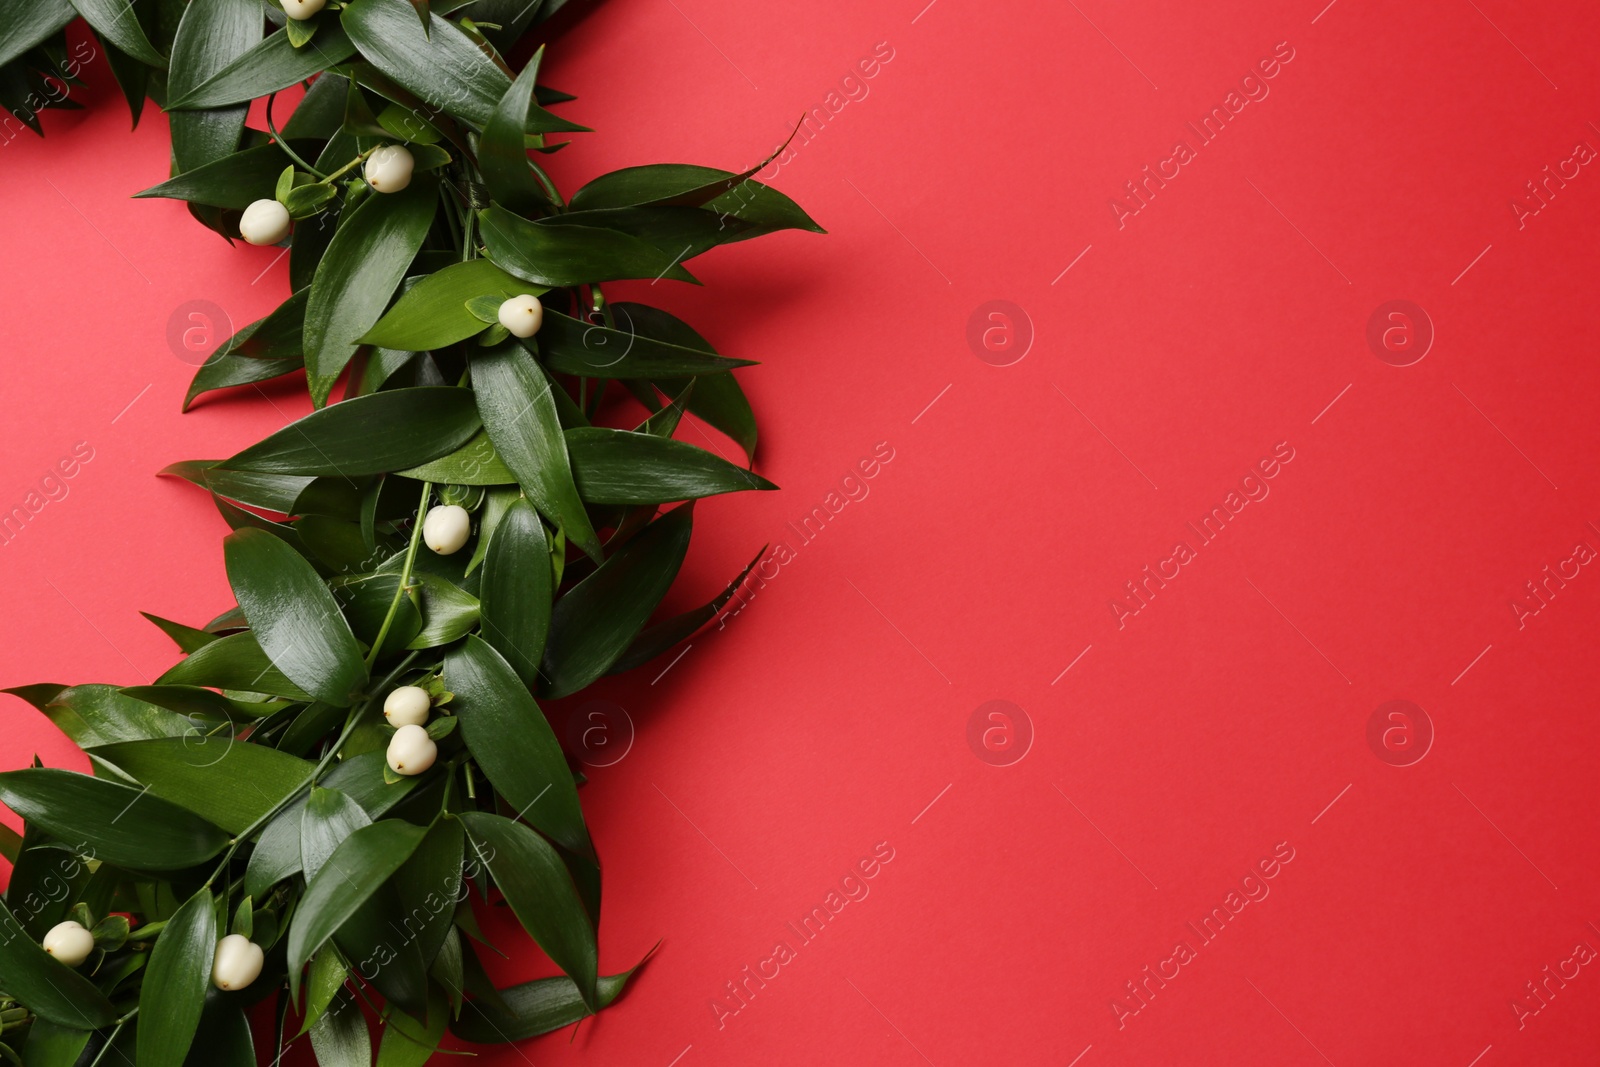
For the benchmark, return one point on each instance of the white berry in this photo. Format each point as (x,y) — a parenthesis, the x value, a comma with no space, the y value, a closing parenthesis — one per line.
(522,315)
(300,10)
(69,942)
(411,750)
(447,528)
(237,963)
(407,706)
(265,222)
(388,170)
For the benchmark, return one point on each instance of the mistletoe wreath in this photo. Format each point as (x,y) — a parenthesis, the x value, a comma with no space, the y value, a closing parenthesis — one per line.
(305,804)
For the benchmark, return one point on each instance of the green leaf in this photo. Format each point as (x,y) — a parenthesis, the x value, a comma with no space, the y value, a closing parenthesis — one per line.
(474,463)
(49,988)
(598,619)
(175,982)
(193,702)
(340,1037)
(87,813)
(517,591)
(364,264)
(224,1038)
(235,181)
(301,31)
(329,818)
(373,434)
(321,110)
(664,635)
(96,715)
(52,1045)
(534,1008)
(440,64)
(572,255)
(272,64)
(361,778)
(409,1043)
(621,467)
(10,844)
(210,35)
(244,920)
(403,124)
(680,232)
(187,638)
(294,616)
(355,871)
(448,612)
(541,894)
(502,150)
(571,346)
(429,885)
(515,401)
(115,21)
(326,978)
(717,398)
(233,662)
(27,25)
(229,782)
(511,740)
(223,371)
(433,313)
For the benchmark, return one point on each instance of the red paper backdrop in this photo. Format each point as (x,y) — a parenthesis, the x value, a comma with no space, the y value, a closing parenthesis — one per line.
(1171,754)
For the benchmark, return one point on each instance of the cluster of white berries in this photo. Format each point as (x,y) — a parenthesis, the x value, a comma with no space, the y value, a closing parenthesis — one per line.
(411,750)
(237,963)
(388,170)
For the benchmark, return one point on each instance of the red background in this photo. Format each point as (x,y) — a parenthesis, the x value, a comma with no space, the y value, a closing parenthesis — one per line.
(1180,748)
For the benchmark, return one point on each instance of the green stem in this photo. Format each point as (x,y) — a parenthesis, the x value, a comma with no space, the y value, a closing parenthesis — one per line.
(362,158)
(405,576)
(283,142)
(112,1040)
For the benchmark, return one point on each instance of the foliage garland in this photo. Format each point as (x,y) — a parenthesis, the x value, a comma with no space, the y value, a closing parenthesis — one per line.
(356,748)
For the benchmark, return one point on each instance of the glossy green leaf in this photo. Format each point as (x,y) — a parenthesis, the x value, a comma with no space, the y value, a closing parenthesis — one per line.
(764,209)
(503,153)
(429,885)
(572,255)
(517,591)
(474,463)
(534,1008)
(433,313)
(361,779)
(390,964)
(294,616)
(511,740)
(717,398)
(519,413)
(96,715)
(541,894)
(340,1037)
(229,782)
(680,232)
(211,35)
(235,181)
(571,346)
(193,702)
(664,635)
(448,612)
(374,434)
(321,110)
(440,64)
(361,864)
(115,823)
(323,982)
(52,1045)
(620,467)
(276,855)
(175,982)
(328,819)
(27,25)
(362,268)
(272,64)
(187,638)
(51,989)
(596,621)
(224,371)
(115,21)
(233,662)
(409,1043)
(224,1038)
